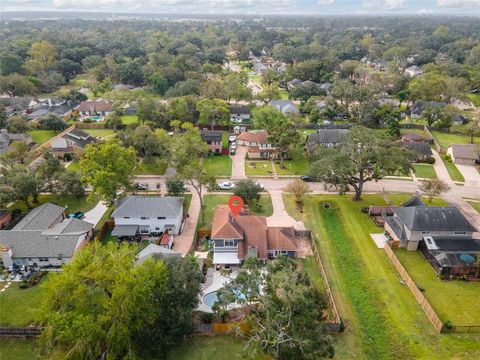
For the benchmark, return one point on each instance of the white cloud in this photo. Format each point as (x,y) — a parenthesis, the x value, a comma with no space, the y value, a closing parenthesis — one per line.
(457,4)
(383,4)
(325,2)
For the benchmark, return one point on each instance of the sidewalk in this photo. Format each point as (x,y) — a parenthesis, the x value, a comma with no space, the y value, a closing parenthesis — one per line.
(441,170)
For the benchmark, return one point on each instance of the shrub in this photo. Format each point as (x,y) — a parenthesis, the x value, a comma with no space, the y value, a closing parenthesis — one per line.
(33,280)
(207,318)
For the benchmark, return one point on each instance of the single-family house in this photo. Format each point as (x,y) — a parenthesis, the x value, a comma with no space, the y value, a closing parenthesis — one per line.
(325,138)
(257,144)
(122,87)
(15,105)
(239,113)
(259,68)
(459,120)
(413,71)
(95,107)
(236,238)
(5,218)
(44,238)
(155,252)
(213,139)
(285,106)
(420,105)
(71,142)
(137,216)
(421,149)
(412,137)
(292,84)
(464,154)
(411,224)
(6,140)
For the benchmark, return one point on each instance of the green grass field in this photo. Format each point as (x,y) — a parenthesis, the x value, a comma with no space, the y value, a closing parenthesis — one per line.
(413,131)
(398,199)
(18,307)
(208,348)
(475,205)
(462,296)
(425,171)
(218,165)
(42,136)
(129,119)
(262,168)
(383,319)
(211,201)
(103,133)
(447,139)
(17,349)
(72,203)
(292,167)
(151,166)
(475,99)
(454,173)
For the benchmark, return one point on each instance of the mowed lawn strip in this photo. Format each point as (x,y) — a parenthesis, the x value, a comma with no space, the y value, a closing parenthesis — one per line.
(258,168)
(452,300)
(18,349)
(425,171)
(292,167)
(42,136)
(446,139)
(72,203)
(218,165)
(475,205)
(454,173)
(414,334)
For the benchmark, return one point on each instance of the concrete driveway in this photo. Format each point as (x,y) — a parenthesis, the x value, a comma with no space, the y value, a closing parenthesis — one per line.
(183,243)
(238,164)
(471,175)
(93,216)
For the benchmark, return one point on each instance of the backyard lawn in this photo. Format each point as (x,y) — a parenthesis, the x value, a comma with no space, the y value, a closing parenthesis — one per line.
(129,119)
(425,171)
(72,203)
(462,296)
(18,307)
(218,165)
(258,168)
(151,166)
(102,133)
(17,349)
(42,136)
(382,317)
(208,348)
(454,173)
(474,98)
(211,201)
(447,139)
(292,167)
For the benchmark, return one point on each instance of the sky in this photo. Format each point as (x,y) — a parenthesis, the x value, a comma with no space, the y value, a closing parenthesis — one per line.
(306,7)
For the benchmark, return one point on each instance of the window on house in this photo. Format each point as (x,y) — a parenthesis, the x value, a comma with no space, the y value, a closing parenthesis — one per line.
(126,217)
(144,218)
(161,218)
(43,259)
(460,232)
(157,228)
(425,232)
(230,243)
(144,231)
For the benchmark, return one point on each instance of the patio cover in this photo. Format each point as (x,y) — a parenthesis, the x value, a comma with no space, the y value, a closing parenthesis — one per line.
(125,230)
(225,258)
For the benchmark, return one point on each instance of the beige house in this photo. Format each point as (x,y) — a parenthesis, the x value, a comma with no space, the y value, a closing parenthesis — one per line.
(464,154)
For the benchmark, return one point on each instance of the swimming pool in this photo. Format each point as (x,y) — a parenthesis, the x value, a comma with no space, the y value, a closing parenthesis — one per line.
(211,298)
(96,118)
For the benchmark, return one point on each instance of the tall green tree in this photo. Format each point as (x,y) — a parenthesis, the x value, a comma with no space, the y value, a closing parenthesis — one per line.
(213,112)
(361,157)
(108,168)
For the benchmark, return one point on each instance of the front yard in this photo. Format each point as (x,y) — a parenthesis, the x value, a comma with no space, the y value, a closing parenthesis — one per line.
(218,165)
(211,201)
(292,167)
(424,171)
(454,173)
(258,168)
(151,166)
(447,139)
(452,300)
(72,203)
(382,317)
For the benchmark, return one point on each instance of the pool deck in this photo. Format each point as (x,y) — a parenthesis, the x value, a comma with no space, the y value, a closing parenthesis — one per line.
(217,282)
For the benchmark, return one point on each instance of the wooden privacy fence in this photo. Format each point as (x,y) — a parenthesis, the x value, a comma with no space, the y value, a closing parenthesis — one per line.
(421,299)
(435,143)
(6,332)
(220,328)
(335,324)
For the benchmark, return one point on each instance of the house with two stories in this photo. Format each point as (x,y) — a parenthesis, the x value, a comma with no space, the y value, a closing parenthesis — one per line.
(6,140)
(236,238)
(325,137)
(95,107)
(258,146)
(287,107)
(213,139)
(72,142)
(148,216)
(44,238)
(239,113)
(442,234)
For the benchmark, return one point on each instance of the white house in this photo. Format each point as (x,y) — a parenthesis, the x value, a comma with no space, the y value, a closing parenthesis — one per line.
(148,215)
(285,106)
(413,71)
(44,238)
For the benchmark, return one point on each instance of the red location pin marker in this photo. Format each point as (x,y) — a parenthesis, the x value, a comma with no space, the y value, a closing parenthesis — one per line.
(235,203)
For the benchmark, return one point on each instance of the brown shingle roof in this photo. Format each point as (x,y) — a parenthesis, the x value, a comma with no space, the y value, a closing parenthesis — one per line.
(281,238)
(255,230)
(222,226)
(260,137)
(99,105)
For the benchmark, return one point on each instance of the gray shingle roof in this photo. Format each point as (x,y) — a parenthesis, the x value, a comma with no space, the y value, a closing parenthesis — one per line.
(420,147)
(435,218)
(211,135)
(396,226)
(153,250)
(467,151)
(149,206)
(40,218)
(327,136)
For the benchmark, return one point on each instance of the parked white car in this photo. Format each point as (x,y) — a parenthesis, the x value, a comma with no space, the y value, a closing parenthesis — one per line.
(232,138)
(226,185)
(260,184)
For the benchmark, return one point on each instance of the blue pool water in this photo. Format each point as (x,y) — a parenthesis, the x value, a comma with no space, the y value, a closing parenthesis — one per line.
(96,118)
(210,298)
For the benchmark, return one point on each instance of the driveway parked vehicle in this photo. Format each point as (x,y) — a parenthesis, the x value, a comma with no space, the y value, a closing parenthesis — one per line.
(140,186)
(226,185)
(78,215)
(232,138)
(260,185)
(233,151)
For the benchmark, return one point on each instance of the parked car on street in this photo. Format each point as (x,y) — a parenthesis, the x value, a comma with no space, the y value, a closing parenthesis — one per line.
(306,178)
(226,185)
(140,186)
(260,185)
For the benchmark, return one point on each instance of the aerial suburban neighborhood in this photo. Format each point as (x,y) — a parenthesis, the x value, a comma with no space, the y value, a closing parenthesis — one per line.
(274,180)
